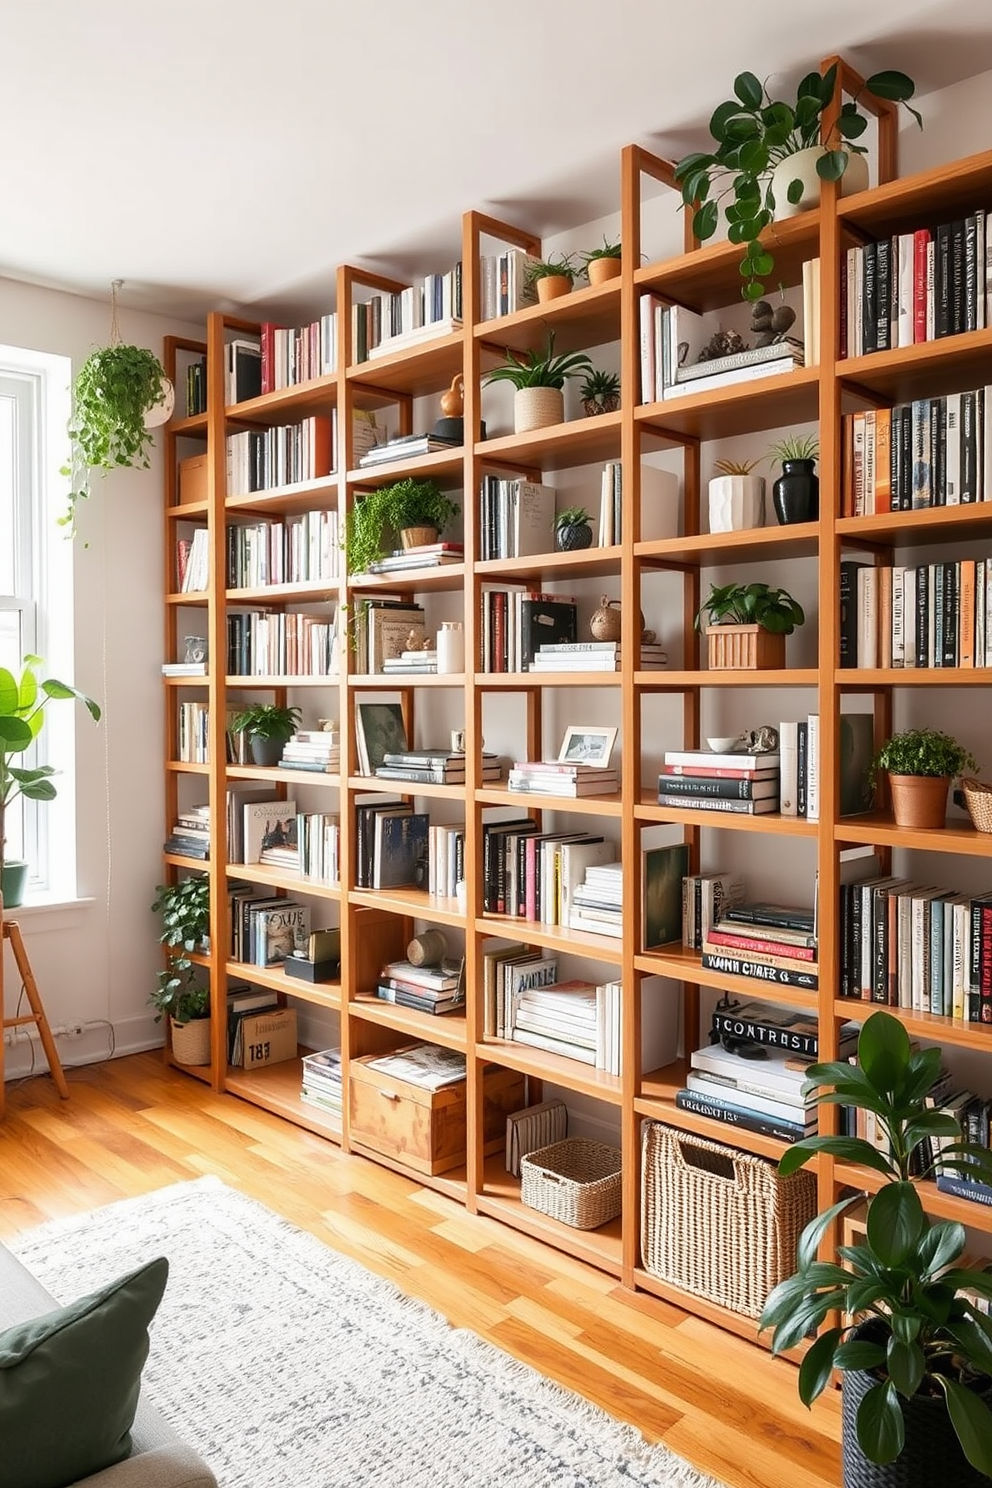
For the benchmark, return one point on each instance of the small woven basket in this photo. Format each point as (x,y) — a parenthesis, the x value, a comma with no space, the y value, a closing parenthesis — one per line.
(575,1181)
(979,800)
(191,1041)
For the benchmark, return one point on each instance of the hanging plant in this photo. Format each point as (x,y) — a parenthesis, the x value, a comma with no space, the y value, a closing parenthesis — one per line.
(120,392)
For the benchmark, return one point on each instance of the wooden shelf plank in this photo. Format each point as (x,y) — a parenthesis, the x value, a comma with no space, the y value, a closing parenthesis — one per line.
(742,408)
(955,836)
(932,1026)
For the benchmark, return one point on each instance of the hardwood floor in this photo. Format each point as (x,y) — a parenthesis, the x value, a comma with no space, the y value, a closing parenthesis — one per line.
(133,1125)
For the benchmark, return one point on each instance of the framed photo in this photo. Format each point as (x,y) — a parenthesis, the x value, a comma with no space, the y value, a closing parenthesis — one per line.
(584,744)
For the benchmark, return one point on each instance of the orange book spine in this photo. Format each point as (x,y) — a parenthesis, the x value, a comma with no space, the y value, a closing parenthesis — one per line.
(883,469)
(966,612)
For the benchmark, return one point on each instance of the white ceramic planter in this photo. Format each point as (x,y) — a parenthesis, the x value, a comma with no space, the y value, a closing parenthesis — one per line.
(736,502)
(802,167)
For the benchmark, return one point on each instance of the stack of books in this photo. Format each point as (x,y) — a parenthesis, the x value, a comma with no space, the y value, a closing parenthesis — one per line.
(392,845)
(558,778)
(429,989)
(752,1072)
(282,848)
(406,447)
(706,780)
(190,835)
(597,903)
(562,1018)
(427,555)
(769,942)
(322,1080)
(593,656)
(433,766)
(319,834)
(312,749)
(415,662)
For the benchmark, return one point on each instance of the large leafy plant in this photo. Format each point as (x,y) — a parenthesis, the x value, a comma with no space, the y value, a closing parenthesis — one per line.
(404,503)
(925,1335)
(753,132)
(267,721)
(752,604)
(537,368)
(23,701)
(113,391)
(185,911)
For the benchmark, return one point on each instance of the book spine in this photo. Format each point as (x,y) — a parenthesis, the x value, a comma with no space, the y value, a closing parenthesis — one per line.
(794,1040)
(783,919)
(883,294)
(697,802)
(700,785)
(752,1121)
(964,1188)
(761,946)
(761,971)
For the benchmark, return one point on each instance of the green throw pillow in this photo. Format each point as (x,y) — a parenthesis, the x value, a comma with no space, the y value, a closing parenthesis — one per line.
(69,1382)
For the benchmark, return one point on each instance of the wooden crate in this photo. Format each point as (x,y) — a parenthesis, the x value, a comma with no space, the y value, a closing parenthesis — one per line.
(744,648)
(193,479)
(426,1129)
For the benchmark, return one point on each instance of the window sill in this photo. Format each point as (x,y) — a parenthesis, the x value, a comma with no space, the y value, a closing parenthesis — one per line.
(57,913)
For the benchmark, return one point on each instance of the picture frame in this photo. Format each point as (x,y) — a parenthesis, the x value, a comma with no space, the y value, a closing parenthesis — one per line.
(587,744)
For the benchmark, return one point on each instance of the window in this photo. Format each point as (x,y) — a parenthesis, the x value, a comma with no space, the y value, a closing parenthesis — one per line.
(36,590)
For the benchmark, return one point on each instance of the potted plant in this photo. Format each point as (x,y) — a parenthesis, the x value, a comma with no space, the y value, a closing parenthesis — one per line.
(796,492)
(552,277)
(22,716)
(413,511)
(770,156)
(118,395)
(185,911)
(600,392)
(920,764)
(737,498)
(572,529)
(603,263)
(268,728)
(750,624)
(539,377)
(912,1345)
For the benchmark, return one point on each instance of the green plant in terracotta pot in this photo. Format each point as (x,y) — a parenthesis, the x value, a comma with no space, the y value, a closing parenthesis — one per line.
(912,1342)
(268,728)
(601,264)
(412,511)
(553,276)
(920,764)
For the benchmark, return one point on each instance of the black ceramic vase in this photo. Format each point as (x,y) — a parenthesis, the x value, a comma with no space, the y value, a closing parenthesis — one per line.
(796,493)
(574,535)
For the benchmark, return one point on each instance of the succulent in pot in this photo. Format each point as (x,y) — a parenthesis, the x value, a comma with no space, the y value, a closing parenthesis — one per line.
(572,529)
(736,496)
(920,764)
(553,276)
(600,392)
(754,161)
(600,264)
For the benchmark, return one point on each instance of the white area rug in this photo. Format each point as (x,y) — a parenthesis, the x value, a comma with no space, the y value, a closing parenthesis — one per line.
(289,1366)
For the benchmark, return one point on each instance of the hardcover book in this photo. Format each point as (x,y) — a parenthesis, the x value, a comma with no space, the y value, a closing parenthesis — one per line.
(379,730)
(663,869)
(267,824)
(399,852)
(281,931)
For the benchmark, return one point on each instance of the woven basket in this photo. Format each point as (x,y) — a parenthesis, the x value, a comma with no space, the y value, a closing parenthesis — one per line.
(575,1181)
(191,1041)
(716,1222)
(979,800)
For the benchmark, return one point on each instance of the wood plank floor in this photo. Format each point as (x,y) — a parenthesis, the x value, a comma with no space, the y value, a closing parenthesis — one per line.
(132,1126)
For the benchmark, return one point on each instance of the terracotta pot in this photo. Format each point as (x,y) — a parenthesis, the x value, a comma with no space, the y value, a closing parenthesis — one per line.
(552,287)
(919,800)
(417,537)
(599,270)
(191,1041)
(744,648)
(802,167)
(537,408)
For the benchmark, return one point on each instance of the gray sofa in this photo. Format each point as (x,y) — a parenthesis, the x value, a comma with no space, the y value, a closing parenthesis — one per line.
(158,1458)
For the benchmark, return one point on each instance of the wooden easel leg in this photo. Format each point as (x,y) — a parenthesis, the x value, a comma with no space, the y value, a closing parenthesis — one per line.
(12,932)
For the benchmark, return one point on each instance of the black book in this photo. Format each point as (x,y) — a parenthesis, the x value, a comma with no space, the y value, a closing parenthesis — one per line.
(802,768)
(956,316)
(781,916)
(844,925)
(752,1121)
(494,860)
(971,264)
(869,299)
(942,281)
(895,455)
(704,785)
(938,451)
(906,458)
(759,971)
(923,616)
(849,612)
(947,656)
(545,622)
(884,286)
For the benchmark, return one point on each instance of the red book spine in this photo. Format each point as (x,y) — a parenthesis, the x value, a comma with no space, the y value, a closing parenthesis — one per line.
(763,947)
(530,880)
(268,356)
(921,241)
(183,546)
(499,631)
(985,963)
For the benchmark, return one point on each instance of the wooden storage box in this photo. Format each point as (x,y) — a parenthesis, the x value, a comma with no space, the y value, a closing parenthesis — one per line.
(426,1129)
(743,648)
(193,479)
(268,1038)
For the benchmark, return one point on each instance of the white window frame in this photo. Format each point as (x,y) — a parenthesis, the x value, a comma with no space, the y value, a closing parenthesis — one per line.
(40,382)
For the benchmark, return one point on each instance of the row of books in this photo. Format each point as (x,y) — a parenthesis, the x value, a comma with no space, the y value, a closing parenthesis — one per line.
(391,845)
(427,989)
(558,778)
(914,456)
(313,749)
(393,317)
(267,930)
(595,656)
(705,899)
(505,285)
(291,355)
(192,562)
(196,387)
(281,454)
(916,286)
(672,338)
(446,858)
(245,1002)
(516,517)
(321,1084)
(922,947)
(282,643)
(300,548)
(932,615)
(516,621)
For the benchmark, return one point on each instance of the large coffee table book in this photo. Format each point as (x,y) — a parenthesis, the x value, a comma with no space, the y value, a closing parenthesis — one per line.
(537,875)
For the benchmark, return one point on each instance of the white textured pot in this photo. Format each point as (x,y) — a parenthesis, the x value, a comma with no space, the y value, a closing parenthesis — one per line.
(802,167)
(537,408)
(736,502)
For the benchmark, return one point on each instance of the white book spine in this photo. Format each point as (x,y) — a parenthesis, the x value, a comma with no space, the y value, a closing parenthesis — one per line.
(813,767)
(952,458)
(788,745)
(931,306)
(898,616)
(904,317)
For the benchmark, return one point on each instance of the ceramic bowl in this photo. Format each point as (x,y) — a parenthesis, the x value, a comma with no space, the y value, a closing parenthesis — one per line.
(723,744)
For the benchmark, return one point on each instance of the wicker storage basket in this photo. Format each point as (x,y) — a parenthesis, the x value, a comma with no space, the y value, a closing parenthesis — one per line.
(979,800)
(191,1041)
(716,1222)
(575,1181)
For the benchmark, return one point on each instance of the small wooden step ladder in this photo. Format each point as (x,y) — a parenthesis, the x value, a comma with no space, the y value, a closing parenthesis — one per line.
(37,1015)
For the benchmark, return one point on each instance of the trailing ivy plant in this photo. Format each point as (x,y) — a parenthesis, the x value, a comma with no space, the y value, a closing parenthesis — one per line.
(114,389)
(404,503)
(185,911)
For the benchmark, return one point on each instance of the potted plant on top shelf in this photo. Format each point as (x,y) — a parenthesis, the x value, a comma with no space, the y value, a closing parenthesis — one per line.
(751,622)
(414,511)
(552,277)
(179,996)
(913,1343)
(920,764)
(268,728)
(601,264)
(22,703)
(539,378)
(770,157)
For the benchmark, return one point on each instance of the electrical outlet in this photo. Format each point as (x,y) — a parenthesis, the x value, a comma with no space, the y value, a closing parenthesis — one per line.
(74,1030)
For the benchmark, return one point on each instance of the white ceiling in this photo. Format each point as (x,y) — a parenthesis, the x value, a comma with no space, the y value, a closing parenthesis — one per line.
(229,153)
